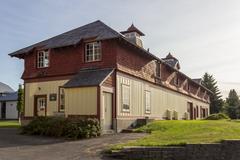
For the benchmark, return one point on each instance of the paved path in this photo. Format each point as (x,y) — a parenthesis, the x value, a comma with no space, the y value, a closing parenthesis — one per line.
(19,147)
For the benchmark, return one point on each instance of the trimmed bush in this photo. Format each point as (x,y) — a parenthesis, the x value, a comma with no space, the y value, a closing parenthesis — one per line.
(72,128)
(217,116)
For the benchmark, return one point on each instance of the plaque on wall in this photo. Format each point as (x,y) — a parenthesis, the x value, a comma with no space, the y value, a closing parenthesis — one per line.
(53,97)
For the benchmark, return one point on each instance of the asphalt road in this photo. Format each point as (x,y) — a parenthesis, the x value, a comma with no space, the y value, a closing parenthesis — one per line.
(20,147)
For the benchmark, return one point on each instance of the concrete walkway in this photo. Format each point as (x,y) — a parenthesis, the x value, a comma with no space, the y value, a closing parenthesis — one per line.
(20,147)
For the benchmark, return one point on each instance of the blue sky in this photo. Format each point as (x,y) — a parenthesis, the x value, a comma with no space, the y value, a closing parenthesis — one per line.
(204,35)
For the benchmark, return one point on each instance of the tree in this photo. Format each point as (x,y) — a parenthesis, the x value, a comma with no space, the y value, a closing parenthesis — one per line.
(232,105)
(20,101)
(216,102)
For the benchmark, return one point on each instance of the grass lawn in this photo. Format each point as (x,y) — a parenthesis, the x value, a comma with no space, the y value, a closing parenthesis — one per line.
(165,133)
(9,124)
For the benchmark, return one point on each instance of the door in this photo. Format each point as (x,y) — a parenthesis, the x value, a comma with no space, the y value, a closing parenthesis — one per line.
(40,105)
(190,110)
(107,110)
(3,110)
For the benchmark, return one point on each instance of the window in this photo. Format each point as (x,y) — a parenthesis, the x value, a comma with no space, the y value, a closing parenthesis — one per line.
(147,102)
(176,81)
(125,98)
(188,87)
(43,59)
(158,70)
(41,104)
(61,99)
(93,52)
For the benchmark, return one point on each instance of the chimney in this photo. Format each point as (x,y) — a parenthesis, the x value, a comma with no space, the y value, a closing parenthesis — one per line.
(134,35)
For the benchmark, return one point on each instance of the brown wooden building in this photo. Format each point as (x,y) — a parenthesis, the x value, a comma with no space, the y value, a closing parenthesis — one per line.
(96,71)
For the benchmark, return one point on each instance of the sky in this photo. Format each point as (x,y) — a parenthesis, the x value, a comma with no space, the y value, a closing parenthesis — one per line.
(203,34)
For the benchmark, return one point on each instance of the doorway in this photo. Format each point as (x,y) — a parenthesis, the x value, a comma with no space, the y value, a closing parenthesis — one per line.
(40,105)
(3,110)
(107,110)
(190,110)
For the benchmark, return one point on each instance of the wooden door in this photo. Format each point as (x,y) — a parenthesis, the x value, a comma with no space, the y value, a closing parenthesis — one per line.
(40,103)
(107,110)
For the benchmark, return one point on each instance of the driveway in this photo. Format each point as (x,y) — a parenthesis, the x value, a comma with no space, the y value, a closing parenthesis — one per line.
(20,147)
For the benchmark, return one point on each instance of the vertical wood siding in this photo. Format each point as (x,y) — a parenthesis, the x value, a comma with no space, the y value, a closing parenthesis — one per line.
(81,101)
(41,88)
(162,99)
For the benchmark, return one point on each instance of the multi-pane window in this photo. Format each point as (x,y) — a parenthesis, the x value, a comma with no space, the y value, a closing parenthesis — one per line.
(41,103)
(61,99)
(93,51)
(147,101)
(125,98)
(43,59)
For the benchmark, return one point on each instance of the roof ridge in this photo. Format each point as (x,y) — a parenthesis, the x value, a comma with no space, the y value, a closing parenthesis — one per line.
(68,34)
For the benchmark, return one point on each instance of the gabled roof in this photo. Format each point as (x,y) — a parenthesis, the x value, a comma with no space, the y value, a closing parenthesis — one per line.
(97,30)
(89,77)
(132,28)
(5,88)
(9,97)
(198,80)
(172,61)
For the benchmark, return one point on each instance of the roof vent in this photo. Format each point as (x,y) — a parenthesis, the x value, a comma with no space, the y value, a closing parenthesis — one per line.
(134,35)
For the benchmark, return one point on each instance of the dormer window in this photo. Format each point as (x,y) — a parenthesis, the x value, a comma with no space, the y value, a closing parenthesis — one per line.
(93,51)
(43,59)
(188,87)
(176,81)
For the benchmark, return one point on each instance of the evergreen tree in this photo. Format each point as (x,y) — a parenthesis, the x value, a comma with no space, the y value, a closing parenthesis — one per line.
(232,105)
(210,83)
(20,101)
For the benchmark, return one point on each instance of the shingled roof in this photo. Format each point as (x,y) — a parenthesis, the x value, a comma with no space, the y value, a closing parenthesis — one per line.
(172,61)
(88,77)
(198,80)
(97,30)
(132,28)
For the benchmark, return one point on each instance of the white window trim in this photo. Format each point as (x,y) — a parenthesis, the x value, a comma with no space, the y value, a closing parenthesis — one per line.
(41,63)
(93,51)
(122,87)
(145,99)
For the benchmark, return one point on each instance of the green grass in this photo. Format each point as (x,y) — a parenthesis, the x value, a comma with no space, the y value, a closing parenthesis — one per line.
(171,133)
(9,124)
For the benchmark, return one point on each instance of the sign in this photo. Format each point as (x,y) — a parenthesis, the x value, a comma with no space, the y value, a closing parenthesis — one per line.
(53,97)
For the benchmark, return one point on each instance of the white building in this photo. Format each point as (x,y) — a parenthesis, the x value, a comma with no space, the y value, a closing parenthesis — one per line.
(8,102)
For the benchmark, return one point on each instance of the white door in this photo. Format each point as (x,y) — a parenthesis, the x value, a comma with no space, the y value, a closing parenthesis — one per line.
(107,110)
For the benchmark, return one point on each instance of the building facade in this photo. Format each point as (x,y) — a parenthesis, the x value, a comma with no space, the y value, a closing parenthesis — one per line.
(8,103)
(95,71)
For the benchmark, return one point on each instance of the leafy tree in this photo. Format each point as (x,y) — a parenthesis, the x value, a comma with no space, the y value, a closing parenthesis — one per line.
(210,83)
(20,101)
(232,105)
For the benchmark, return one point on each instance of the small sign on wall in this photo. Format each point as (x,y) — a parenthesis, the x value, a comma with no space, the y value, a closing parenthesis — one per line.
(53,97)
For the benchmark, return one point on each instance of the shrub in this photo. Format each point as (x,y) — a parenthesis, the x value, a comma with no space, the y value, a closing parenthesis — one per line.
(76,128)
(217,116)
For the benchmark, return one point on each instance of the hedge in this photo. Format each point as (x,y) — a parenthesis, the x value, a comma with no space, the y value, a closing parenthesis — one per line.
(217,116)
(72,128)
